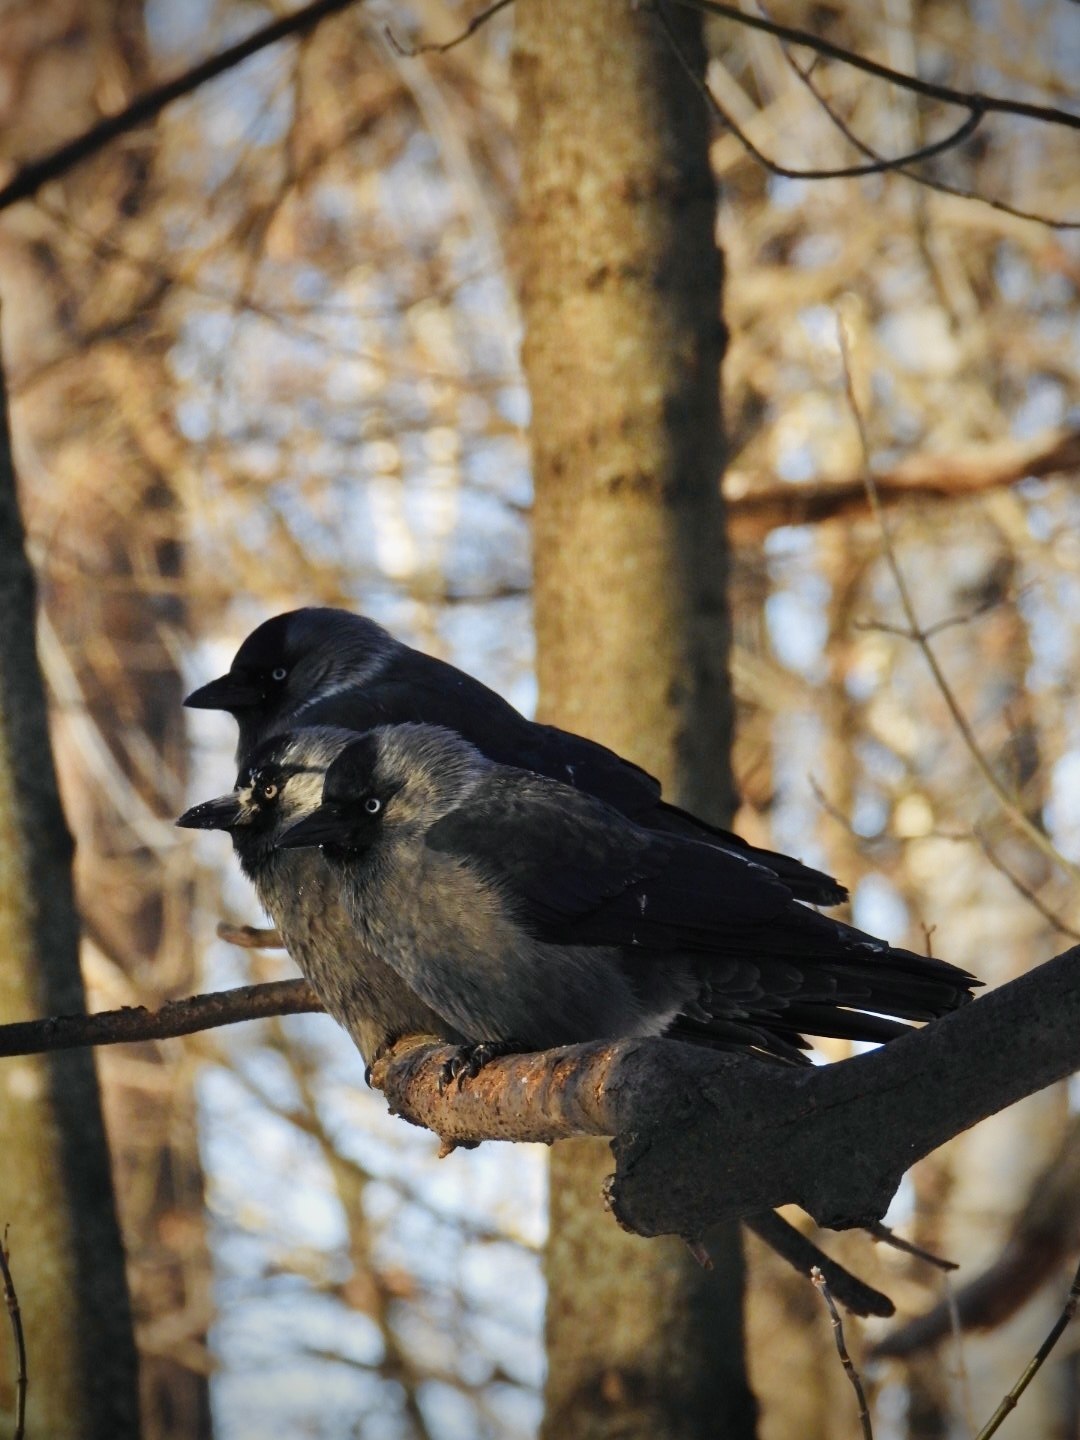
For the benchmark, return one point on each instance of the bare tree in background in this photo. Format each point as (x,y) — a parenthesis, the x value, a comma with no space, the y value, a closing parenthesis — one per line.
(56,1197)
(87,335)
(300,317)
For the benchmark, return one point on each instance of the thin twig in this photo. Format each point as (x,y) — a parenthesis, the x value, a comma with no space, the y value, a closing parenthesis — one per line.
(841,1349)
(950,622)
(1009,803)
(831,808)
(29,180)
(1023,890)
(841,172)
(22,1380)
(969,99)
(885,1236)
(1009,1402)
(431,47)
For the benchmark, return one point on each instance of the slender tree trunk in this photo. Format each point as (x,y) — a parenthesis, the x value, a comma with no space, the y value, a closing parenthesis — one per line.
(620,287)
(102,457)
(56,1190)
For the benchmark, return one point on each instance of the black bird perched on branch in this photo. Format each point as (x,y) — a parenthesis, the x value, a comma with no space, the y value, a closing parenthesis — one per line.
(302,895)
(528,914)
(329,667)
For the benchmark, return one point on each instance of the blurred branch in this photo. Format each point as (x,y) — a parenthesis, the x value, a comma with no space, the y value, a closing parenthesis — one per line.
(963,132)
(1023,890)
(250,937)
(818,1137)
(431,47)
(1010,1401)
(29,180)
(1010,803)
(754,511)
(1046,1232)
(969,99)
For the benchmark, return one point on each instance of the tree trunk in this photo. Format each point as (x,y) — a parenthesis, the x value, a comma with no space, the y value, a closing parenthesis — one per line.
(56,1190)
(620,286)
(87,344)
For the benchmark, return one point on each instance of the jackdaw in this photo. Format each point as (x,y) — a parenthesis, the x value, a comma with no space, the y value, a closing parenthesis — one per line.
(529,914)
(302,894)
(329,667)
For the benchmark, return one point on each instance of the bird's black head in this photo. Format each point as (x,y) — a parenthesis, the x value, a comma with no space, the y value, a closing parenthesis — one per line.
(355,798)
(291,662)
(280,784)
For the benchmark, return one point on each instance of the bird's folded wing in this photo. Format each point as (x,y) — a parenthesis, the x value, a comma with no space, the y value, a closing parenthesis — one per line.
(578,872)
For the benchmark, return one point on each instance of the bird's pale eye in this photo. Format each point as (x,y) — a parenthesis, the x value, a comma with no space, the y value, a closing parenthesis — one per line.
(268,792)
(373,805)
(279,673)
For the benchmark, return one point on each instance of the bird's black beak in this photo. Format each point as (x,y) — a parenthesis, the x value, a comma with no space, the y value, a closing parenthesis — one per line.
(224,813)
(228,692)
(321,827)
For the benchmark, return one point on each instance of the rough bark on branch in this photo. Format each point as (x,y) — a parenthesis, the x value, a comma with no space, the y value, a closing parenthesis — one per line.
(701,1136)
(294,997)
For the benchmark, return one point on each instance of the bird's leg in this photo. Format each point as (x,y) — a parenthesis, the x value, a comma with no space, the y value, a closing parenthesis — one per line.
(468,1060)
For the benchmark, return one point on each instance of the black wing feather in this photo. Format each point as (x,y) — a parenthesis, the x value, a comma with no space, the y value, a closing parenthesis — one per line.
(418,687)
(578,872)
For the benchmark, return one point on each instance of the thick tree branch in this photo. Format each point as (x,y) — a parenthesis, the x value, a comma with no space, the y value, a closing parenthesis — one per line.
(702,1136)
(29,180)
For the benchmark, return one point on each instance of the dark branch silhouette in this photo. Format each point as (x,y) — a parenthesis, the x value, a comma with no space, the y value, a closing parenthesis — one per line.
(969,99)
(877,166)
(1010,1401)
(845,1359)
(805,1257)
(29,180)
(11,1300)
